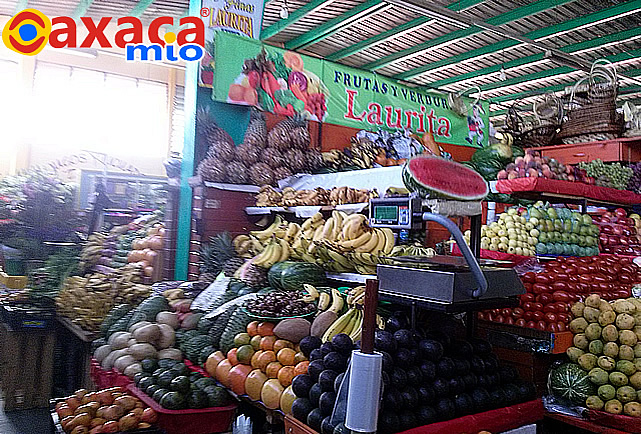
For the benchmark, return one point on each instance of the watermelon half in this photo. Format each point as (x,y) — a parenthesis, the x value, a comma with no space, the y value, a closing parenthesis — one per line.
(437,177)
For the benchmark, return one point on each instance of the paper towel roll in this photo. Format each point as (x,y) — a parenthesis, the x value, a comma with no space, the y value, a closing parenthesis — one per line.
(364,392)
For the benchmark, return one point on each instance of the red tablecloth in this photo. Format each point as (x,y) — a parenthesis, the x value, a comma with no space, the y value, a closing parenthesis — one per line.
(578,189)
(499,420)
(493,254)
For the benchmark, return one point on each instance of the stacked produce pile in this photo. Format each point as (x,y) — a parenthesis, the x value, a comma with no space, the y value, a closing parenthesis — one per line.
(263,158)
(319,196)
(512,233)
(535,166)
(220,255)
(87,300)
(612,175)
(104,411)
(546,305)
(634,184)
(619,234)
(606,357)
(147,251)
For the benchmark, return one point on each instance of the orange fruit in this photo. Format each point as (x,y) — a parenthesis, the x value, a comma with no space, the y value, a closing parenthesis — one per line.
(286,375)
(266,329)
(265,359)
(245,354)
(267,343)
(282,343)
(301,368)
(255,342)
(272,369)
(231,356)
(254,360)
(252,328)
(287,356)
(300,357)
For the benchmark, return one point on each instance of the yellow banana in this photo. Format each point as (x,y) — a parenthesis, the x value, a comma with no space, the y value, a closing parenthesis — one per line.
(370,245)
(266,233)
(317,217)
(266,256)
(311,290)
(239,240)
(323,301)
(357,242)
(318,234)
(337,301)
(381,241)
(292,231)
(389,240)
(306,224)
(355,335)
(257,246)
(339,325)
(342,260)
(338,219)
(328,229)
(284,246)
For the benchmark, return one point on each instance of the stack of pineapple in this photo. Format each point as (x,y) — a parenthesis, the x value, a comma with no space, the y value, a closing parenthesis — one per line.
(262,158)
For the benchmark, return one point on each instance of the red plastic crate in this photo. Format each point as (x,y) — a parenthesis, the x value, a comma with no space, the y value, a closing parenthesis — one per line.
(104,379)
(192,421)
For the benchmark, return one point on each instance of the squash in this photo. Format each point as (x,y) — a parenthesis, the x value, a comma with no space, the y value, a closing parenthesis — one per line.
(108,363)
(571,382)
(170,353)
(254,384)
(132,370)
(148,333)
(169,318)
(222,373)
(123,362)
(212,361)
(119,340)
(167,336)
(136,326)
(237,376)
(270,394)
(293,329)
(143,351)
(101,352)
(287,400)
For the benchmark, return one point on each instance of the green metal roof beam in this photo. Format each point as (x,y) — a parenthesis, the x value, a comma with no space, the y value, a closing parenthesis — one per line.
(140,8)
(81,9)
(457,6)
(536,34)
(334,25)
(294,17)
(591,43)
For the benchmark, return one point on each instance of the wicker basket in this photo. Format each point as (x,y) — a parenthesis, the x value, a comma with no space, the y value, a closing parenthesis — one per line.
(539,129)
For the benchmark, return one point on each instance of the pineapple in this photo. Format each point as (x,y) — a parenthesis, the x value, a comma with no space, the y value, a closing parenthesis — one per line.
(273,157)
(261,174)
(236,172)
(313,160)
(256,134)
(295,159)
(212,170)
(299,134)
(219,142)
(248,154)
(214,255)
(233,264)
(282,172)
(255,277)
(280,136)
(223,151)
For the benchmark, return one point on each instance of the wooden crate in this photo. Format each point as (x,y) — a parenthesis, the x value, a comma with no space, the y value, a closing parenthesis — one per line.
(294,426)
(531,366)
(26,376)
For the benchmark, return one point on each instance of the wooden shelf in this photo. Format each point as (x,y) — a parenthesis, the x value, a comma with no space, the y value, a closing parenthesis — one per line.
(306,211)
(622,149)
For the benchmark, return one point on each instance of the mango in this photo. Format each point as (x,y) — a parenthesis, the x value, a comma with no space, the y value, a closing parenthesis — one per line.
(606,363)
(593,301)
(577,325)
(606,392)
(626,352)
(587,361)
(591,314)
(596,347)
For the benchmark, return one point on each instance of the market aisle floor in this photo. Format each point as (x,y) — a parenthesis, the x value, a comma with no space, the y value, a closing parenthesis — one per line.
(35,421)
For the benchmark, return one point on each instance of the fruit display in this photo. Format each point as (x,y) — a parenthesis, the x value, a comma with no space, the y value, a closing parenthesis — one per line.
(533,165)
(219,255)
(613,175)
(267,196)
(563,232)
(147,251)
(436,177)
(329,322)
(634,184)
(277,304)
(103,411)
(87,300)
(607,350)
(619,233)
(510,234)
(174,386)
(490,160)
(263,158)
(563,281)
(92,251)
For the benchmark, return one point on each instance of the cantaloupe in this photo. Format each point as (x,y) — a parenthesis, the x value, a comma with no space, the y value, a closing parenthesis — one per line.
(287,400)
(222,372)
(271,393)
(237,376)
(254,384)
(212,361)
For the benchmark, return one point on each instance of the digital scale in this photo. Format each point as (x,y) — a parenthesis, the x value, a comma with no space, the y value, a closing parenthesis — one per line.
(446,283)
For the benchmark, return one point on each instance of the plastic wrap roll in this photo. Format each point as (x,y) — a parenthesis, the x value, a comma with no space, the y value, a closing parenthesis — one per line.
(364,392)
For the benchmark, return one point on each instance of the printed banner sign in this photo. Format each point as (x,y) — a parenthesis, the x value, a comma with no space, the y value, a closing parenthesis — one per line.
(284,82)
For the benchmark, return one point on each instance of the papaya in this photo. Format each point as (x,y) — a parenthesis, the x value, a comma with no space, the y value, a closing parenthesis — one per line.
(254,384)
(222,372)
(237,376)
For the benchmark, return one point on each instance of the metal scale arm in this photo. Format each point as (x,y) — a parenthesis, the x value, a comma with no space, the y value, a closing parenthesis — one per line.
(465,250)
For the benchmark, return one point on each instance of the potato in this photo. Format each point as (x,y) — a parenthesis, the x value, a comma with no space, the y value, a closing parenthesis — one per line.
(626,352)
(607,317)
(635,380)
(614,406)
(593,331)
(637,349)
(632,409)
(627,337)
(594,402)
(574,353)
(577,309)
(605,306)
(596,347)
(593,301)
(588,361)
(580,341)
(625,321)
(591,314)
(610,333)
(577,325)
(606,363)
(637,331)
(623,306)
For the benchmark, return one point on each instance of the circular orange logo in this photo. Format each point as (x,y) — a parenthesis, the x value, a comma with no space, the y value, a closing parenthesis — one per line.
(27,32)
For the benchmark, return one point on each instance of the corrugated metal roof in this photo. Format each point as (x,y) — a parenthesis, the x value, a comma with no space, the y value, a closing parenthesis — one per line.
(447,61)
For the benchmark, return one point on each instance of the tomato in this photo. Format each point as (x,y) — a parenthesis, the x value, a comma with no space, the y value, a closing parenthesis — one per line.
(561,326)
(520,322)
(531,324)
(528,287)
(584,278)
(599,278)
(496,311)
(560,259)
(480,316)
(544,298)
(571,271)
(506,312)
(560,286)
(527,306)
(528,315)
(550,317)
(539,288)
(561,296)
(527,297)
(518,312)
(585,260)
(626,278)
(529,277)
(564,317)
(542,278)
(537,306)
(604,286)
(509,320)
(582,269)
(541,325)
(489,317)
(573,278)
(593,269)
(550,308)
(499,319)
(562,306)
(561,277)
(538,315)
(552,327)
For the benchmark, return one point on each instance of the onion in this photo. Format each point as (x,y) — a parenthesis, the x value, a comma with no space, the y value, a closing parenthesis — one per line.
(620,212)
(148,271)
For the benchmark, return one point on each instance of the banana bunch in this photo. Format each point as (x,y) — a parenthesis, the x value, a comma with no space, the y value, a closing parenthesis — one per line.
(276,250)
(92,250)
(254,243)
(350,323)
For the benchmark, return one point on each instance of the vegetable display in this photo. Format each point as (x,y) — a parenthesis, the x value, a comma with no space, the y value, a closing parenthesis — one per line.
(619,234)
(267,196)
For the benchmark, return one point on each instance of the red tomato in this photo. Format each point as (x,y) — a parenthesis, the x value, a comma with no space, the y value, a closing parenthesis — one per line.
(528,306)
(552,327)
(480,315)
(527,297)
(520,322)
(560,286)
(564,317)
(561,296)
(550,317)
(599,278)
(528,315)
(537,306)
(489,316)
(571,271)
(529,277)
(509,320)
(550,308)
(538,315)
(585,260)
(540,288)
(531,324)
(496,311)
(562,306)
(626,278)
(518,312)
(541,325)
(585,278)
(506,312)
(499,319)
(593,269)
(544,298)
(560,259)
(561,326)
(528,287)
(582,269)
(561,277)
(542,278)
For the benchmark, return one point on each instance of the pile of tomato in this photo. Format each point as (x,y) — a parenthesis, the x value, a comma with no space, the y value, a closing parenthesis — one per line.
(550,293)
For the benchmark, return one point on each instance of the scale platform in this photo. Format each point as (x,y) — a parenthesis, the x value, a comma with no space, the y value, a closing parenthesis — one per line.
(445,283)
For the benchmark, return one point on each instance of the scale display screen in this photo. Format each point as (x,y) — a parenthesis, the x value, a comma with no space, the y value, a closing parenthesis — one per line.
(386,213)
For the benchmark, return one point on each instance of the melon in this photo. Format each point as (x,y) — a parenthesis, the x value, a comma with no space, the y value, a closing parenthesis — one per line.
(270,394)
(254,384)
(437,177)
(237,376)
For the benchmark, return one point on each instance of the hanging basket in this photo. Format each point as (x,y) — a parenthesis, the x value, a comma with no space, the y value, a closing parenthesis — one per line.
(457,103)
(540,128)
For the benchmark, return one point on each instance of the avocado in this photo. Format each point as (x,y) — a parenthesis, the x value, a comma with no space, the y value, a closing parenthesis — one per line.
(139,376)
(426,415)
(495,378)
(326,379)
(463,349)
(341,429)
(397,321)
(511,393)
(195,376)
(216,396)
(409,395)
(158,372)
(405,338)
(388,361)
(384,341)
(167,363)
(301,408)
(398,377)
(384,378)
(441,387)
(309,344)
(445,409)
(430,349)
(315,368)
(197,399)
(180,369)
(327,348)
(314,419)
(180,384)
(327,427)
(343,344)
(166,378)
(457,385)
(392,400)
(404,358)
(314,394)
(335,361)
(158,394)
(497,398)
(145,382)
(173,400)
(316,354)
(508,374)
(526,390)
(416,355)
(151,389)
(463,404)
(481,347)
(491,362)
(388,422)
(326,403)
(477,365)
(428,369)
(414,375)
(203,383)
(339,380)
(445,367)
(407,420)
(426,394)
(484,381)
(481,399)
(461,366)
(302,384)
(470,380)
(149,365)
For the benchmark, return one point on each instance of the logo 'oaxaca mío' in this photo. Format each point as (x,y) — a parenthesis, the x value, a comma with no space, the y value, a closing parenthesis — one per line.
(29,31)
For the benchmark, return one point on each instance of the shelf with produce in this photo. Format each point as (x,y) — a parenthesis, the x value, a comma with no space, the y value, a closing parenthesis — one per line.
(350,277)
(306,211)
(524,339)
